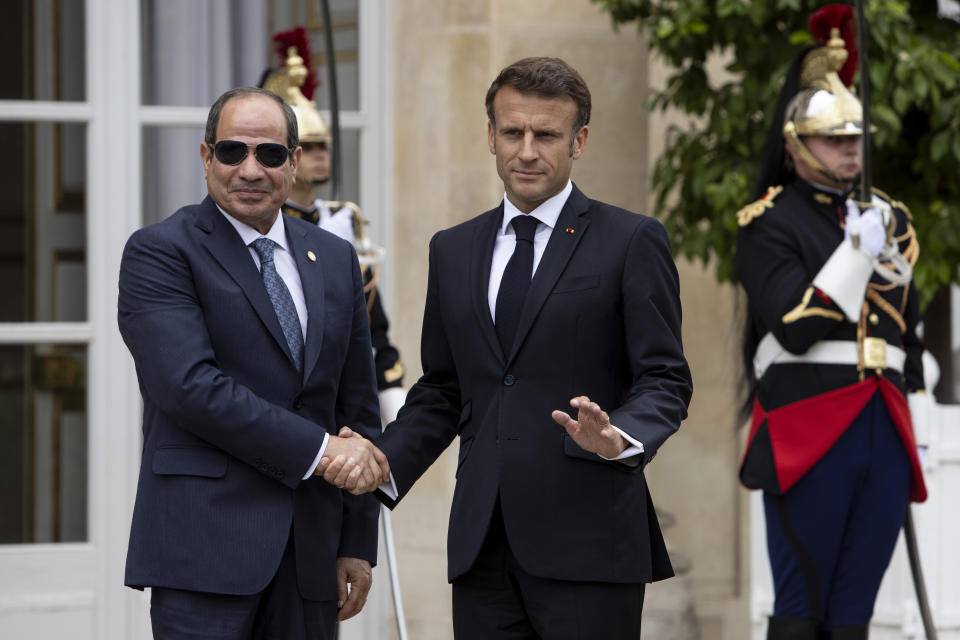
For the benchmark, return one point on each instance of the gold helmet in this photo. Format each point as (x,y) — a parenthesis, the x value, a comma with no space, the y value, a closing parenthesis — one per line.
(824,104)
(289,81)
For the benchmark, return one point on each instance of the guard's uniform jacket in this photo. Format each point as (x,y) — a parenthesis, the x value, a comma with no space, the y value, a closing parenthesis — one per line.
(802,407)
(386,357)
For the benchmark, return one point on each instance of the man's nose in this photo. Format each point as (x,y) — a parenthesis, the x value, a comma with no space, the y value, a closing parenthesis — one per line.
(528,148)
(250,168)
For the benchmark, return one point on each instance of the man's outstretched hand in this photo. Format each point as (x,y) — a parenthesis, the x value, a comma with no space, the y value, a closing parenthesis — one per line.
(591,430)
(351,462)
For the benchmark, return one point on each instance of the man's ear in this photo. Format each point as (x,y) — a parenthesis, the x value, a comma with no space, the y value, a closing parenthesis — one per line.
(491,138)
(579,142)
(295,159)
(205,156)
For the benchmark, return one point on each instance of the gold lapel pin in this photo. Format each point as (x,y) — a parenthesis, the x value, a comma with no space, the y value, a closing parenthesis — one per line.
(569,229)
(311,256)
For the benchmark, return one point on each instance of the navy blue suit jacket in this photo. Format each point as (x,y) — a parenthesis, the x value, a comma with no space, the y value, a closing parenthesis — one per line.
(602,318)
(229,426)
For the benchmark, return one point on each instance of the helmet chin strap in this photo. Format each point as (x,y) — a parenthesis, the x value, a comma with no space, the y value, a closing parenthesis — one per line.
(790,133)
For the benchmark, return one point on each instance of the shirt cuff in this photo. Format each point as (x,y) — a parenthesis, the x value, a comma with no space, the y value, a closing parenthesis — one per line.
(389,489)
(634,448)
(316,461)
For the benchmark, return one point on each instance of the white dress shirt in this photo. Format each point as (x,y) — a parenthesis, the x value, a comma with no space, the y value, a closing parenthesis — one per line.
(287,270)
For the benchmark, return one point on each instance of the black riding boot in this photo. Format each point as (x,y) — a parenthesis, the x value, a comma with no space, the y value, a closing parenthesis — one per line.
(785,628)
(858,632)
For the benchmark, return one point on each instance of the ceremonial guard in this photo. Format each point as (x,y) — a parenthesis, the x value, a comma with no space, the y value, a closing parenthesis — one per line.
(832,350)
(291,82)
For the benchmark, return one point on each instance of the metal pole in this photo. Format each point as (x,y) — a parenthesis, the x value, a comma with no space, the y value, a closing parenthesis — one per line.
(336,163)
(866,169)
(916,570)
(394,575)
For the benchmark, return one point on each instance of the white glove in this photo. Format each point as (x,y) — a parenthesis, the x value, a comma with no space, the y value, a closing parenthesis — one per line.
(340,224)
(866,228)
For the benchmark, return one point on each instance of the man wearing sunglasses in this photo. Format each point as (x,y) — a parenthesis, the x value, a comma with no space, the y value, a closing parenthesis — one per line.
(249,333)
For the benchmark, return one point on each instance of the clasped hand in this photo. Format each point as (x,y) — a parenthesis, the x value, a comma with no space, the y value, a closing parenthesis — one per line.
(591,430)
(351,462)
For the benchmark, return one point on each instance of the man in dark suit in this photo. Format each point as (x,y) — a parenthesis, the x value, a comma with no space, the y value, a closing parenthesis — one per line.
(552,530)
(249,334)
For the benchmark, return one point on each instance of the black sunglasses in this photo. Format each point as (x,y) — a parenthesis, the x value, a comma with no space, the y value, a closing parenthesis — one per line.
(269,154)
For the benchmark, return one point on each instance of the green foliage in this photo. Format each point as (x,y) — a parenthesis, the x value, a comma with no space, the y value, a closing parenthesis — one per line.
(710,164)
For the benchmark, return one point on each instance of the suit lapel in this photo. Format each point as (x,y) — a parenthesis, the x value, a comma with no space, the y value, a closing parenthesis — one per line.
(481,249)
(311,278)
(227,248)
(560,248)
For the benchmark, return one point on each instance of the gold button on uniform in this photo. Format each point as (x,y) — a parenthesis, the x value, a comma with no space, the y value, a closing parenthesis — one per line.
(874,319)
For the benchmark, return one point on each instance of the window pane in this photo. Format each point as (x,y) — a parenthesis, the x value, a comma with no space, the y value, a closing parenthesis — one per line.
(172,170)
(43,266)
(42,45)
(43,427)
(344,18)
(194,51)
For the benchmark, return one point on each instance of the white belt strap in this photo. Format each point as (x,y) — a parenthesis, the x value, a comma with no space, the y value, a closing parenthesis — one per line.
(769,352)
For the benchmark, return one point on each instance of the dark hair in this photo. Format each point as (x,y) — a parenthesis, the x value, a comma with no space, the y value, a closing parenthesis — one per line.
(547,78)
(213,118)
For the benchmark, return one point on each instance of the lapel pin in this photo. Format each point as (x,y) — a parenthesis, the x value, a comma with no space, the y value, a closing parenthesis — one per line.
(311,256)
(569,229)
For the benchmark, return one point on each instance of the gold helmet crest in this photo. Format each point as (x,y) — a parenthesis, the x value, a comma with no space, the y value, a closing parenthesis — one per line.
(286,82)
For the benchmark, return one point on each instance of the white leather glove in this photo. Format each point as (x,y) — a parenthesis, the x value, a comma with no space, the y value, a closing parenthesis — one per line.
(867,227)
(340,224)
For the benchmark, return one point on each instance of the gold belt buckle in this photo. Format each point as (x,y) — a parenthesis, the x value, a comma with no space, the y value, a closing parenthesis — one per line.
(875,353)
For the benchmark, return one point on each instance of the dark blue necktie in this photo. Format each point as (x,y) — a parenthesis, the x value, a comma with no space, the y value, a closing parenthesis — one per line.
(515,282)
(281,299)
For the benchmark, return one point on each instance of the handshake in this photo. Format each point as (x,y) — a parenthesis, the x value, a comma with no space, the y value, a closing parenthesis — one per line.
(351,462)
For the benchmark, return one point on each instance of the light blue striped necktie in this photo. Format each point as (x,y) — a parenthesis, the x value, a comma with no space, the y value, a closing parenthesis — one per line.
(281,299)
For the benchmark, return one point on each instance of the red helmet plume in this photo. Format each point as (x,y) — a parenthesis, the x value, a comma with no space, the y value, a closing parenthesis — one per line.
(839,16)
(297,37)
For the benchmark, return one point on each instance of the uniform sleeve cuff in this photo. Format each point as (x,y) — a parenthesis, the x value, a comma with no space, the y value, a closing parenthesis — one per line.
(844,278)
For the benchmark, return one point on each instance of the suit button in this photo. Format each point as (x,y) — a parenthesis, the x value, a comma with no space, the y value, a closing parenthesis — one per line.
(297,403)
(508,380)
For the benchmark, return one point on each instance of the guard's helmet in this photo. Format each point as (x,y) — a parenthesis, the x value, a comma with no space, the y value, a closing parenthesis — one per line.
(293,81)
(824,105)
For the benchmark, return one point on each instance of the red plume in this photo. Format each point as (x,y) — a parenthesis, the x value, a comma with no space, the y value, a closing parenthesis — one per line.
(297,37)
(839,16)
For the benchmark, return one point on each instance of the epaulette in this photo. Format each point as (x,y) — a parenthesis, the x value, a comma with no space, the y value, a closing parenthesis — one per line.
(896,204)
(756,209)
